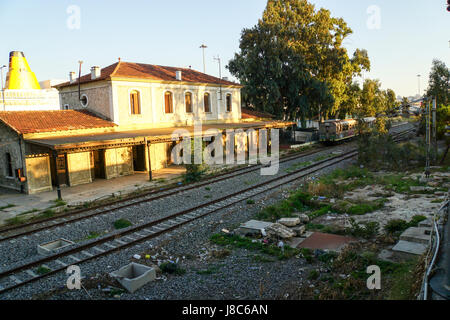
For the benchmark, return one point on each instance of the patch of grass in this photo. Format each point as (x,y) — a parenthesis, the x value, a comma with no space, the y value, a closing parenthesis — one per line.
(29,211)
(250,201)
(172,268)
(59,203)
(437,201)
(46,214)
(208,196)
(42,270)
(314,275)
(10,205)
(122,223)
(320,212)
(367,207)
(397,226)
(92,235)
(14,221)
(207,188)
(297,166)
(234,241)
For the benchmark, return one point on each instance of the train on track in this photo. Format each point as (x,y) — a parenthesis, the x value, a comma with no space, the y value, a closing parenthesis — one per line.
(338,130)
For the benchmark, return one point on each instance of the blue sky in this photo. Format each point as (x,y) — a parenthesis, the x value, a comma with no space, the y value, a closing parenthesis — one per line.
(169,32)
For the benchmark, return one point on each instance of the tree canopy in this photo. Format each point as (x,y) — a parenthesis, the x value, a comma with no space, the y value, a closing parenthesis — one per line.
(439,83)
(293,63)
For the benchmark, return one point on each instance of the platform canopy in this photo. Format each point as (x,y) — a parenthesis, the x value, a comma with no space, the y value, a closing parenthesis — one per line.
(119,139)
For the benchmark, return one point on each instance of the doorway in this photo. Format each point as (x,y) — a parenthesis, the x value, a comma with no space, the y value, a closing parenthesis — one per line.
(59,170)
(98,164)
(139,158)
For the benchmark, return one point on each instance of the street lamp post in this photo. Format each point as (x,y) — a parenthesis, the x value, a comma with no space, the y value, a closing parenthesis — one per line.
(3,88)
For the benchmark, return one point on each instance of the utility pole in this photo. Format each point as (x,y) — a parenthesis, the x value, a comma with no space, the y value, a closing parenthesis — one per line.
(418,76)
(203,47)
(427,137)
(79,79)
(434,133)
(3,88)
(220,75)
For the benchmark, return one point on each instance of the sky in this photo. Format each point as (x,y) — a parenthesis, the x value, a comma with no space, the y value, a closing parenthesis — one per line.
(402,36)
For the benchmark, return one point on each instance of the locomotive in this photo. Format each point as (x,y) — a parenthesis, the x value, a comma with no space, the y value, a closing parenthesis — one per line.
(339,130)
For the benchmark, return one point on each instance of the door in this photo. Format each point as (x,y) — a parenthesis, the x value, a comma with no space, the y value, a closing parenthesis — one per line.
(61,170)
(98,164)
(139,158)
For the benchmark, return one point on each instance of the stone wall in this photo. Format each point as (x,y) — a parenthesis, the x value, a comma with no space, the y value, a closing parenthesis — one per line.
(98,95)
(118,162)
(79,168)
(10,143)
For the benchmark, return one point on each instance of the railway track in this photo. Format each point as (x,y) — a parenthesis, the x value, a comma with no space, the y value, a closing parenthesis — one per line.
(13,232)
(78,215)
(26,273)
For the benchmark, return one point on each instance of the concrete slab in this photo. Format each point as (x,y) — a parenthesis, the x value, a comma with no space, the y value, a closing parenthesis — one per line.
(418,235)
(325,241)
(295,242)
(134,276)
(253,227)
(52,246)
(409,247)
(426,224)
(289,222)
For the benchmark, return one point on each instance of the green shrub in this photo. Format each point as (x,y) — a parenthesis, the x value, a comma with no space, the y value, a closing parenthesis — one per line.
(122,223)
(171,268)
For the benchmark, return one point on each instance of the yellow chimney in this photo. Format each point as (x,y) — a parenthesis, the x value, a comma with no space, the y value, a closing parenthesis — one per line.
(19,74)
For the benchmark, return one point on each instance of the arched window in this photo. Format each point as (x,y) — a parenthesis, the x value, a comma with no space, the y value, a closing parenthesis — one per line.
(135,104)
(229,103)
(188,102)
(168,102)
(207,102)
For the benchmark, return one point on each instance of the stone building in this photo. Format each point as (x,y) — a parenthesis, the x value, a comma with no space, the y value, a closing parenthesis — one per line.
(136,95)
(119,122)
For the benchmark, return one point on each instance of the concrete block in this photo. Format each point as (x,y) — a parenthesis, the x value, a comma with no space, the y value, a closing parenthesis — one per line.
(52,246)
(409,247)
(289,222)
(253,227)
(134,276)
(426,224)
(419,235)
(278,230)
(299,231)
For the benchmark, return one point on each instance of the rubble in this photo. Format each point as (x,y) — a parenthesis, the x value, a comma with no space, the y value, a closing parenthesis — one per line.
(278,230)
(289,222)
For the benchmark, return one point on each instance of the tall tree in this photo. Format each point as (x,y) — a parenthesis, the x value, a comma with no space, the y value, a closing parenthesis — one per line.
(439,83)
(293,60)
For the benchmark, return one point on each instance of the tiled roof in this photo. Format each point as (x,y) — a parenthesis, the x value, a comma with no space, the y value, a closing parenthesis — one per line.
(253,114)
(132,70)
(50,121)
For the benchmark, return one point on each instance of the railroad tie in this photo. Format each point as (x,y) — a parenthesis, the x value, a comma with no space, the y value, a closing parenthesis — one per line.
(120,242)
(15,279)
(31,273)
(110,245)
(74,258)
(61,263)
(98,249)
(87,253)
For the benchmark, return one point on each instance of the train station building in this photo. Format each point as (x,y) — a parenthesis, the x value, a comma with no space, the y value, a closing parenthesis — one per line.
(116,121)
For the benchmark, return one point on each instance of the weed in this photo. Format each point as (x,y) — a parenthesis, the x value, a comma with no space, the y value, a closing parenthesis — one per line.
(171,268)
(122,223)
(42,270)
(7,206)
